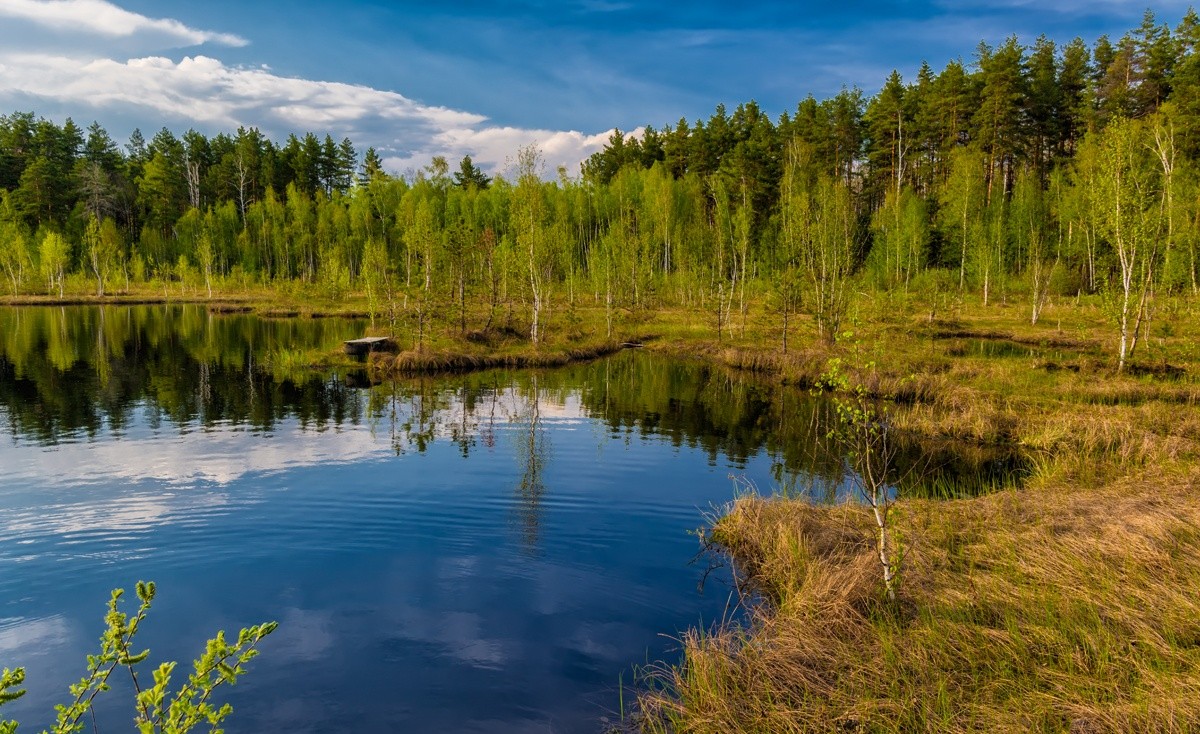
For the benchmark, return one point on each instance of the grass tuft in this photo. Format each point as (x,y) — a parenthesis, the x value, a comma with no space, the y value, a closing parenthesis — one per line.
(1021,611)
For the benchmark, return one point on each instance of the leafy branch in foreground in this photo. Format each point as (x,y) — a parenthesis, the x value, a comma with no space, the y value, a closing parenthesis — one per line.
(10,680)
(158,710)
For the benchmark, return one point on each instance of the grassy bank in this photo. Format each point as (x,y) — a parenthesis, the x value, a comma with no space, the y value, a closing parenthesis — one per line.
(1037,610)
(1069,605)
(285,301)
(463,358)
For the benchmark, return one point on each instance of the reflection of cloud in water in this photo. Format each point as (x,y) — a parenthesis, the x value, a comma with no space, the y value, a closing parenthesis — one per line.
(303,635)
(570,412)
(456,569)
(219,456)
(224,454)
(599,640)
(459,634)
(129,514)
(20,637)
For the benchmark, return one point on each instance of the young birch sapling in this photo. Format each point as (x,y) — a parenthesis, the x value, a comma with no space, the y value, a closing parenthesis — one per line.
(864,433)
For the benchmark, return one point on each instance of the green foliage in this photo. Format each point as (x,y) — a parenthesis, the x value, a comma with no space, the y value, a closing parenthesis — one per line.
(10,690)
(528,217)
(159,711)
(901,249)
(818,232)
(375,276)
(54,257)
(102,246)
(468,175)
(15,260)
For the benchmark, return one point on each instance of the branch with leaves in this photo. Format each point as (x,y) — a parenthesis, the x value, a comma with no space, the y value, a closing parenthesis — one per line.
(158,710)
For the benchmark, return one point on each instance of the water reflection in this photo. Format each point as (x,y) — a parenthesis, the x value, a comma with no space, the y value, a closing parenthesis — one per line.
(77,371)
(533,450)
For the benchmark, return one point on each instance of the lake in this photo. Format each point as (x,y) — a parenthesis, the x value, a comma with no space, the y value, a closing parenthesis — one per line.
(494,552)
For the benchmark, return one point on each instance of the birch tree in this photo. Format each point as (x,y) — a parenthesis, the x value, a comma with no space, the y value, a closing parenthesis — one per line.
(53,255)
(901,239)
(528,215)
(14,254)
(1029,221)
(375,275)
(1126,211)
(102,247)
(961,199)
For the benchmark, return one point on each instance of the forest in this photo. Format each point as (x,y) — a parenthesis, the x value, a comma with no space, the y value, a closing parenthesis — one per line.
(1033,172)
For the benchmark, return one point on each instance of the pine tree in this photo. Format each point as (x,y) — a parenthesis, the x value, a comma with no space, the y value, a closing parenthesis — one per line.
(468,176)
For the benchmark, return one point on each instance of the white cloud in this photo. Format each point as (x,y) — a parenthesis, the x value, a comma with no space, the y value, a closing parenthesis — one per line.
(91,58)
(495,148)
(204,92)
(105,19)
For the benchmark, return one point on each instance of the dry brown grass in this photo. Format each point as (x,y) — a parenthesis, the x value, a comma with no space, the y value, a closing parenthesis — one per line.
(1035,610)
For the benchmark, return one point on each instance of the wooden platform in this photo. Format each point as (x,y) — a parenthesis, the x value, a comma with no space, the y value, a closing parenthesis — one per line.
(370,344)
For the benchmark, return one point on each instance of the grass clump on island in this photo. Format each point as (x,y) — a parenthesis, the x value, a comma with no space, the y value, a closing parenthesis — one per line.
(491,348)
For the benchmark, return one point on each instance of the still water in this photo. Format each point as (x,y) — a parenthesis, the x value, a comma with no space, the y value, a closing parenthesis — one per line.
(488,552)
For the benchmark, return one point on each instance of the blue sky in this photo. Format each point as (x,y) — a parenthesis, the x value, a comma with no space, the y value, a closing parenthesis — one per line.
(469,76)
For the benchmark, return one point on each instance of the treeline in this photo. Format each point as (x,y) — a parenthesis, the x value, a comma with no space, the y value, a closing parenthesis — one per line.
(1033,171)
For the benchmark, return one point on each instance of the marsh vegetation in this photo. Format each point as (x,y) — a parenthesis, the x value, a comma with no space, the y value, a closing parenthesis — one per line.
(993,266)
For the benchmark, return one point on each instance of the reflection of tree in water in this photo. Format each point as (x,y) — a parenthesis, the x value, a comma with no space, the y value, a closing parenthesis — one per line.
(80,369)
(103,364)
(466,410)
(823,476)
(488,430)
(462,431)
(418,412)
(533,453)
